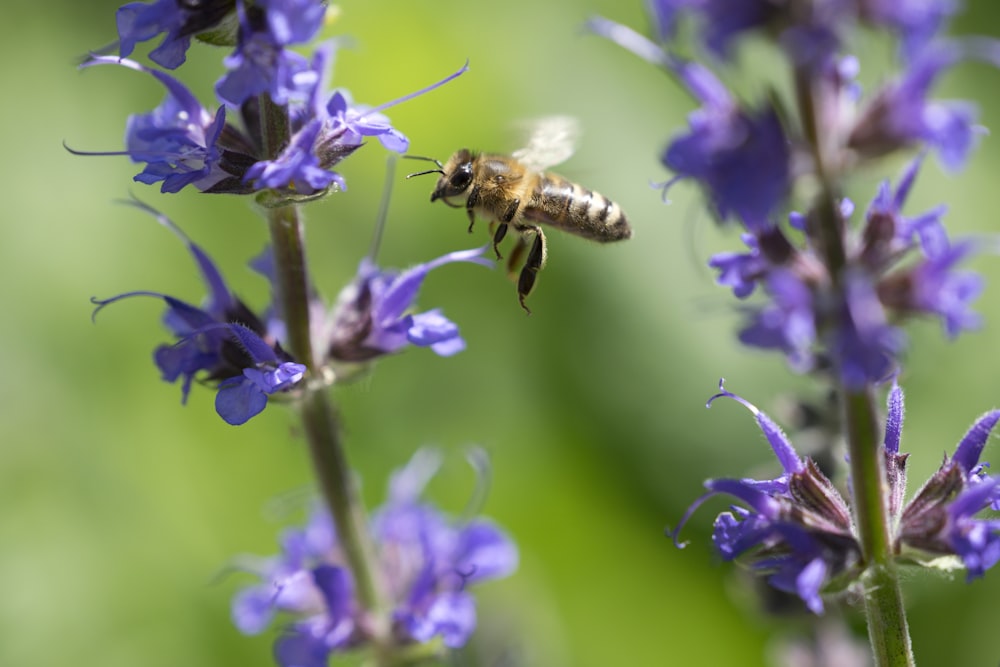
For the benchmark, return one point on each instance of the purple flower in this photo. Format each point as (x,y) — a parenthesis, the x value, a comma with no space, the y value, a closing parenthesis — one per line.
(293,21)
(934,287)
(916,23)
(864,347)
(723,20)
(223,341)
(261,63)
(178,140)
(740,158)
(427,560)
(666,14)
(139,22)
(720,22)
(843,321)
(787,323)
(900,115)
(354,123)
(888,232)
(740,270)
(372,316)
(796,529)
(324,133)
(297,168)
(241,398)
(941,520)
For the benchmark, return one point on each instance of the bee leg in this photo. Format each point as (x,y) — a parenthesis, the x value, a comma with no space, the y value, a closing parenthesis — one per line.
(470,205)
(498,235)
(511,212)
(534,264)
(516,256)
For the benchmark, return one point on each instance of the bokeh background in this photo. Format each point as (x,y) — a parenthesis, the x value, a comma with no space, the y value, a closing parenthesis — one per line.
(119,508)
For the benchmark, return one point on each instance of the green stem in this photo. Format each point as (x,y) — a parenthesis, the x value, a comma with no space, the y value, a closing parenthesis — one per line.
(886,615)
(887,626)
(319,417)
(274,128)
(322,426)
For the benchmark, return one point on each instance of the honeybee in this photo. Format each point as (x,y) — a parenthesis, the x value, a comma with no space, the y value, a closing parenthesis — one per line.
(516,192)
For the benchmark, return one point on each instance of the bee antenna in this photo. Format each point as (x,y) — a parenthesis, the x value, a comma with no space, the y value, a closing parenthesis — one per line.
(439,170)
(383,207)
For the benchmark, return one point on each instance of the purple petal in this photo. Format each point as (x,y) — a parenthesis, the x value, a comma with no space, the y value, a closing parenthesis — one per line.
(452,616)
(436,331)
(301,649)
(485,552)
(403,290)
(238,400)
(273,380)
(780,444)
(628,39)
(253,344)
(337,589)
(809,582)
(407,484)
(894,419)
(971,447)
(764,504)
(253,609)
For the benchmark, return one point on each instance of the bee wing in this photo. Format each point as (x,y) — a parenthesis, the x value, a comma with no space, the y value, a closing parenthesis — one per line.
(551,140)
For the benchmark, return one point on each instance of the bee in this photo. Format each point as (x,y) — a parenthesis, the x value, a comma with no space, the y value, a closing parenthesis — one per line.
(516,192)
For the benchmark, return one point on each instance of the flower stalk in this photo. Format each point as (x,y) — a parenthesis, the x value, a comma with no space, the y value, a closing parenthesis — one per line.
(340,493)
(319,416)
(888,630)
(886,615)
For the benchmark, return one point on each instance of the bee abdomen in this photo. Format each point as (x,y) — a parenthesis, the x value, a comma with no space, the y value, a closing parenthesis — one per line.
(575,209)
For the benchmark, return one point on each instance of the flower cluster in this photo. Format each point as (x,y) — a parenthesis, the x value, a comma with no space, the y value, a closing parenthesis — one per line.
(232,149)
(227,344)
(836,285)
(835,290)
(797,528)
(398,584)
(427,560)
(895,267)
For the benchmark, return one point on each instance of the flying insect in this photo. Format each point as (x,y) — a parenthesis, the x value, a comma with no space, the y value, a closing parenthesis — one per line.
(515,192)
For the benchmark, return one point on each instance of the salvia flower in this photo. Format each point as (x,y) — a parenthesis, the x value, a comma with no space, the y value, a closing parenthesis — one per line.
(795,528)
(900,115)
(239,351)
(897,266)
(223,341)
(178,140)
(741,158)
(916,23)
(427,559)
(797,531)
(261,62)
(139,22)
(719,23)
(940,520)
(183,143)
(325,131)
(373,318)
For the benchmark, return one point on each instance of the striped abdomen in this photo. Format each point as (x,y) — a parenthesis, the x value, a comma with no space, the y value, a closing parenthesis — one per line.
(563,204)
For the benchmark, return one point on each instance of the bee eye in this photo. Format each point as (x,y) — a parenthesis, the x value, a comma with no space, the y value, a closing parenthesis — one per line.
(462,177)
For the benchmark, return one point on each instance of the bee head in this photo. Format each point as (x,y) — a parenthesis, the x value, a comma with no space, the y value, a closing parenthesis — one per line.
(456,176)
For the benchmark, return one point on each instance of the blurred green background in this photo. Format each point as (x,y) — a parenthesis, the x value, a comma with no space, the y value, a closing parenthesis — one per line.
(119,507)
